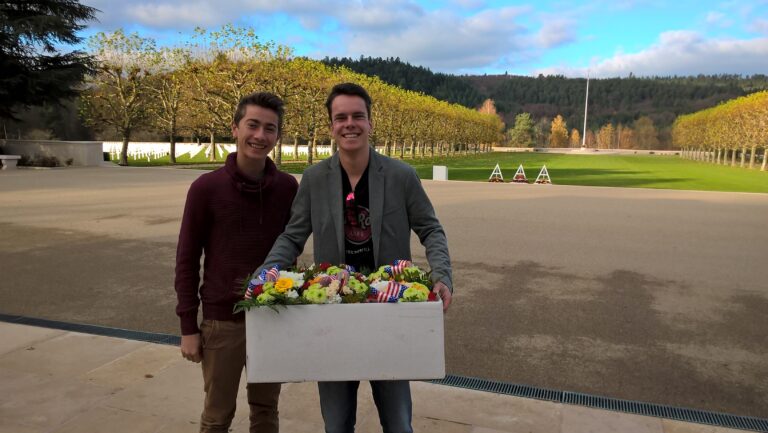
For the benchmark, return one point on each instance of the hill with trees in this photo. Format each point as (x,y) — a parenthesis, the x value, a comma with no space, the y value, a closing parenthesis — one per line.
(449,88)
(614,101)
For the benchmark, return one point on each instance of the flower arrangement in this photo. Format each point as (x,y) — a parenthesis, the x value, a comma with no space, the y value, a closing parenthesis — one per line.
(400,282)
(328,284)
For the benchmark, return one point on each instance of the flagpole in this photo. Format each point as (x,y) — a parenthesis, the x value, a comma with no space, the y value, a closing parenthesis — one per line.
(584,131)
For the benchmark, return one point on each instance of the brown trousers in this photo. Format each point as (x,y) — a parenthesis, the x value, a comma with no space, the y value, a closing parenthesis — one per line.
(223,362)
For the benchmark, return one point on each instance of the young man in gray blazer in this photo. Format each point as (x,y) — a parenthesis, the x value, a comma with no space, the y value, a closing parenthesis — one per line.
(360,207)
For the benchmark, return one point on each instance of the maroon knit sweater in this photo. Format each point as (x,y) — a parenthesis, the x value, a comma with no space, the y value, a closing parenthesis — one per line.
(233,222)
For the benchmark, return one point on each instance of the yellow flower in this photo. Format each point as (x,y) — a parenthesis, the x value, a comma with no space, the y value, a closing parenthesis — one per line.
(283,284)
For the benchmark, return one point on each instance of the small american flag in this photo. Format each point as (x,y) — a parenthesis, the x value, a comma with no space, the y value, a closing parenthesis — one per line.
(399,266)
(270,274)
(393,292)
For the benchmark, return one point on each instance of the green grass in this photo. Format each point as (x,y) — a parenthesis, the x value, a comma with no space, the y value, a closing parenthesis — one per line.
(626,171)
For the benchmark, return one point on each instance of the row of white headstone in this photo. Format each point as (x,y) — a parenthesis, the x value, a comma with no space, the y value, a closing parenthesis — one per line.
(150,151)
(542,178)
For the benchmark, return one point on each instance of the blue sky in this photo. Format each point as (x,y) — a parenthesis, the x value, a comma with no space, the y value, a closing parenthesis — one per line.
(606,38)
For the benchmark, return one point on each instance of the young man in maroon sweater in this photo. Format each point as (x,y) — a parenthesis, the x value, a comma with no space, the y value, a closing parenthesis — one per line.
(232,216)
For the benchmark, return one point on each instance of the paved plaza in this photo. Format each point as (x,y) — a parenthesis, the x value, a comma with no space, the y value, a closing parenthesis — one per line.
(53,381)
(639,294)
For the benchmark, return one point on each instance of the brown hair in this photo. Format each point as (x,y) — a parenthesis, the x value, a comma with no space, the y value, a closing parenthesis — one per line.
(266,100)
(350,89)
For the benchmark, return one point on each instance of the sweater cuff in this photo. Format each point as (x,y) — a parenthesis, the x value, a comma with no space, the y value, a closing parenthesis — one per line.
(189,323)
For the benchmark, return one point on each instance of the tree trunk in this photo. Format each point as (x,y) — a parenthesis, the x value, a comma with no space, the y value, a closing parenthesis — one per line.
(295,147)
(402,150)
(387,148)
(311,148)
(733,158)
(333,147)
(279,153)
(765,157)
(212,145)
(314,143)
(413,149)
(124,151)
(172,154)
(717,157)
(743,155)
(752,157)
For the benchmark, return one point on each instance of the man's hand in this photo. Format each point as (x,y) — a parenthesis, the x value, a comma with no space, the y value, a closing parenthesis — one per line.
(444,293)
(191,347)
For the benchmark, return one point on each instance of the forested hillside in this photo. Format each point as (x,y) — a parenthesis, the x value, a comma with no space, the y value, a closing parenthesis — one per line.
(418,78)
(612,100)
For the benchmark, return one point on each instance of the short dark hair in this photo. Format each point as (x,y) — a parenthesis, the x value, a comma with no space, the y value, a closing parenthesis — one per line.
(350,89)
(266,100)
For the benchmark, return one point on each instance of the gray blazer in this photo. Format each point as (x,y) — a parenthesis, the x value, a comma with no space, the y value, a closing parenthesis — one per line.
(398,204)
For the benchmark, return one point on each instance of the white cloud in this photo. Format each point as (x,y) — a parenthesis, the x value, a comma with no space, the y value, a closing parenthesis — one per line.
(382,16)
(469,4)
(446,42)
(166,14)
(759,25)
(556,32)
(718,19)
(446,39)
(681,53)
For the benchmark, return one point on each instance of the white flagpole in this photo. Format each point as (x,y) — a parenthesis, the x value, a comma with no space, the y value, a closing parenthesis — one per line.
(584,131)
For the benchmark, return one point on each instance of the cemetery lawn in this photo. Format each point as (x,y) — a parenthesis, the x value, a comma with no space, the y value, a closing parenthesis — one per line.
(625,171)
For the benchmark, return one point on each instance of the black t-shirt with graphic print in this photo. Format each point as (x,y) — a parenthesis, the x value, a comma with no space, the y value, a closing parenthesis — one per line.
(358,243)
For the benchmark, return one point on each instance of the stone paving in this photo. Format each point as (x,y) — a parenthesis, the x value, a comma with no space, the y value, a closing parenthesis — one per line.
(54,381)
(638,294)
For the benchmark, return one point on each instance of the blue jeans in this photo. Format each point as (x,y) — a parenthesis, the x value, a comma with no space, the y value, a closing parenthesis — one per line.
(338,404)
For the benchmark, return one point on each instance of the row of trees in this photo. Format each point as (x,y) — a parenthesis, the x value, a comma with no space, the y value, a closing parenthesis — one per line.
(718,134)
(642,134)
(193,90)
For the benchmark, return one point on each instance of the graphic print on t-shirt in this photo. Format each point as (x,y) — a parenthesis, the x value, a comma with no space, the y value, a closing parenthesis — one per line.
(357,226)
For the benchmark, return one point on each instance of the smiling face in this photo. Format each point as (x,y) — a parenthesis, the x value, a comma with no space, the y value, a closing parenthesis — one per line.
(256,133)
(350,125)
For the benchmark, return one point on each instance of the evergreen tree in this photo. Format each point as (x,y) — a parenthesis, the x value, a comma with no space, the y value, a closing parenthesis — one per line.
(32,70)
(523,133)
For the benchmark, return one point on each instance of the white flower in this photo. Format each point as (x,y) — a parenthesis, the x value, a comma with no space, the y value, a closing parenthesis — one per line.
(346,290)
(298,278)
(380,285)
(333,288)
(335,299)
(293,294)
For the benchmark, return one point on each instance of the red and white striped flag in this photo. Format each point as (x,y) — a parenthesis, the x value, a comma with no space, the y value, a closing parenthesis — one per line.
(393,291)
(273,274)
(399,266)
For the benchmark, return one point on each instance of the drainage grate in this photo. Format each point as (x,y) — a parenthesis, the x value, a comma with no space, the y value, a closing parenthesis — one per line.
(527,391)
(151,337)
(614,404)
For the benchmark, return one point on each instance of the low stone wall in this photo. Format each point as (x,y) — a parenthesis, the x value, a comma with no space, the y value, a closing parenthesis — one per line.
(81,153)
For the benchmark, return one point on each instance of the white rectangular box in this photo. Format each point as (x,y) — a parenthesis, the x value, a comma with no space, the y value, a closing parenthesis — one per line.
(439,172)
(345,342)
